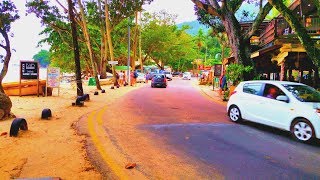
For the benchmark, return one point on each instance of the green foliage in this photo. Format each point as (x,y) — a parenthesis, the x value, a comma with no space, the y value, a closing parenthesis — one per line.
(43,57)
(235,72)
(8,14)
(58,31)
(166,44)
(274,12)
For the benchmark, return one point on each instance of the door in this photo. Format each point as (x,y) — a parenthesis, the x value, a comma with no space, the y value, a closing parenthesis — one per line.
(250,101)
(275,113)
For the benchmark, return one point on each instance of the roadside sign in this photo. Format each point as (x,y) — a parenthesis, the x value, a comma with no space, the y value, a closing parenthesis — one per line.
(217,70)
(29,70)
(53,79)
(53,76)
(112,62)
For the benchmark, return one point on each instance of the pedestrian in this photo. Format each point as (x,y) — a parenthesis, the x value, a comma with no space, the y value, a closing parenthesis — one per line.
(147,77)
(121,74)
(131,78)
(116,82)
(223,82)
(125,81)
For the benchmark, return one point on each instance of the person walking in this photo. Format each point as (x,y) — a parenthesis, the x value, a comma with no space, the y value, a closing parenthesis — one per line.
(121,74)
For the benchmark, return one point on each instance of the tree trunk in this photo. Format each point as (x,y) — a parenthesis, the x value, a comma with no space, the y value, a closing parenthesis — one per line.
(89,46)
(109,38)
(7,58)
(103,49)
(300,30)
(135,43)
(240,46)
(76,49)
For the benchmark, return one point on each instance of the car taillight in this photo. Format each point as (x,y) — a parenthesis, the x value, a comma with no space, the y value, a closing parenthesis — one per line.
(318,111)
(233,92)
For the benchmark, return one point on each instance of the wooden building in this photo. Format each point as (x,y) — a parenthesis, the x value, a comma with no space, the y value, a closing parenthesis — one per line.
(277,51)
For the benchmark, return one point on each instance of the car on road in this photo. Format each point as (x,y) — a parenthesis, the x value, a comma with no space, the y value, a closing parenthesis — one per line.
(150,75)
(159,80)
(176,74)
(141,78)
(186,75)
(168,75)
(290,106)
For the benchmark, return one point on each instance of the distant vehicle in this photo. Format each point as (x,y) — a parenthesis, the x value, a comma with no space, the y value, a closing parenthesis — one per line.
(176,74)
(159,80)
(168,75)
(186,75)
(150,75)
(141,77)
(290,106)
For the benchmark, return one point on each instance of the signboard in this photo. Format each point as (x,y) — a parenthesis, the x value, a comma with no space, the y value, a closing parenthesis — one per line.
(53,77)
(113,62)
(217,70)
(29,70)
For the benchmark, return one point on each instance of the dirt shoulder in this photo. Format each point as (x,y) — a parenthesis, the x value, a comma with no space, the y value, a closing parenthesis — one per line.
(51,148)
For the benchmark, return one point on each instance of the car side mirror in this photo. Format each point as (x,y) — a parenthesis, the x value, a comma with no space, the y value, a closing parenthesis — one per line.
(283,98)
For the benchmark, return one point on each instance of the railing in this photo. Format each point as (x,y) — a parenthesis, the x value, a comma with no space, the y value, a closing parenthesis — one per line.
(280,28)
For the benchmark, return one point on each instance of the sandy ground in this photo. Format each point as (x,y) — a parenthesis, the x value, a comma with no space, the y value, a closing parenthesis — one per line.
(51,148)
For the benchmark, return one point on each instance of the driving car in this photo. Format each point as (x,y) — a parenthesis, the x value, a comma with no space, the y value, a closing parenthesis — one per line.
(159,80)
(168,75)
(176,74)
(289,106)
(186,75)
(141,78)
(150,75)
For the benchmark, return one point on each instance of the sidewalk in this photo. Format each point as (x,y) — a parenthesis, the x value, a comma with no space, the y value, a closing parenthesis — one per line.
(213,95)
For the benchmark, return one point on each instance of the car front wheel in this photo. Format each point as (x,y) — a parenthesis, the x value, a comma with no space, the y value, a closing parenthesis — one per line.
(302,130)
(234,114)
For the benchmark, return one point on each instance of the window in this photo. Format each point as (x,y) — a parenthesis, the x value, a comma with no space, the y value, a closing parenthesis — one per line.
(252,88)
(272,91)
(303,93)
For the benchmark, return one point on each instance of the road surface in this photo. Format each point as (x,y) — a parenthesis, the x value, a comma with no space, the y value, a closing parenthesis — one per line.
(177,132)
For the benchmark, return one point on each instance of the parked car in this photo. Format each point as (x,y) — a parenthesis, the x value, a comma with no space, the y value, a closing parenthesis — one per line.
(159,80)
(186,75)
(168,75)
(141,77)
(290,106)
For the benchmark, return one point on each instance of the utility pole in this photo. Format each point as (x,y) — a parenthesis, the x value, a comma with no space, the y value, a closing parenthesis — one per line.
(75,49)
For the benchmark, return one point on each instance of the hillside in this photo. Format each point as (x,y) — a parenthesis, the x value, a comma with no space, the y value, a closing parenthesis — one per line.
(195,26)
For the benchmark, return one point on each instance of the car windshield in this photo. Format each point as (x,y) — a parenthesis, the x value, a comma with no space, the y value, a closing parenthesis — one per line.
(158,76)
(303,93)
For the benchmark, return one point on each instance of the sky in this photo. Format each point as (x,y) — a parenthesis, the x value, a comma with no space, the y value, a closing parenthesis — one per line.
(26,29)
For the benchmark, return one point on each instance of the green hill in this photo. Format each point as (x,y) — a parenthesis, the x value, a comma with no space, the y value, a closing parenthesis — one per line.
(195,26)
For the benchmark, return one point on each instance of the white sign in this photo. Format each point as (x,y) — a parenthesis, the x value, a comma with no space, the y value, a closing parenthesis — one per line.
(113,62)
(53,77)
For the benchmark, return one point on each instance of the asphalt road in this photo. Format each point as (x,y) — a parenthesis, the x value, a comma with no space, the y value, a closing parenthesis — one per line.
(195,127)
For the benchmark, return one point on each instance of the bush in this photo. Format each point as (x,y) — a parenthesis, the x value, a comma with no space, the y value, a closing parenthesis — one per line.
(235,72)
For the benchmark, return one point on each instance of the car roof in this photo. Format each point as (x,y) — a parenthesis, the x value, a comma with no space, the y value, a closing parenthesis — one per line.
(275,82)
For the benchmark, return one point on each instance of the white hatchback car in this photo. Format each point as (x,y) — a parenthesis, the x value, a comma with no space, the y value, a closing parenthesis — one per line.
(290,106)
(186,75)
